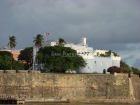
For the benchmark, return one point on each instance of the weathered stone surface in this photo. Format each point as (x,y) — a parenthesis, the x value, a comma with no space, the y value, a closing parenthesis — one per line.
(68,86)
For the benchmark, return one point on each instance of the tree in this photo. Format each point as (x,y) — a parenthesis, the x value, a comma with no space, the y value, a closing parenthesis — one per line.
(12,43)
(38,40)
(124,65)
(136,71)
(27,56)
(60,59)
(126,68)
(5,61)
(61,42)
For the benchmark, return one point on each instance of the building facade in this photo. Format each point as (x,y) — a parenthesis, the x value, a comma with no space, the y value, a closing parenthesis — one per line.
(95,63)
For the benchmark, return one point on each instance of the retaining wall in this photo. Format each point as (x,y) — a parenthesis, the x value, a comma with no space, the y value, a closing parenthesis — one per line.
(36,85)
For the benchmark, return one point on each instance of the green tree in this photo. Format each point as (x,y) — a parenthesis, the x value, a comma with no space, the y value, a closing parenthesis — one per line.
(60,59)
(5,61)
(124,65)
(61,42)
(27,56)
(136,71)
(12,43)
(126,68)
(38,40)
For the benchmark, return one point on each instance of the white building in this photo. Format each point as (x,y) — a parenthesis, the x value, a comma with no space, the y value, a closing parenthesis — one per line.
(95,63)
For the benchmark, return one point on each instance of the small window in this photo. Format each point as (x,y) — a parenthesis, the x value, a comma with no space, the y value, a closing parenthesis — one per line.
(95,62)
(107,64)
(102,63)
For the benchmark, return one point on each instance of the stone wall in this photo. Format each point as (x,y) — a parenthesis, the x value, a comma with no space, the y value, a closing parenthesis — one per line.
(68,86)
(136,86)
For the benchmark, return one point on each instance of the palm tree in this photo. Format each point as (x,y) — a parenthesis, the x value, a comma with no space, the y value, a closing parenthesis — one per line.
(12,43)
(38,40)
(61,42)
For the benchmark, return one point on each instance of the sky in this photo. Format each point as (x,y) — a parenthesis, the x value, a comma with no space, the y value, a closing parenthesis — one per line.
(107,24)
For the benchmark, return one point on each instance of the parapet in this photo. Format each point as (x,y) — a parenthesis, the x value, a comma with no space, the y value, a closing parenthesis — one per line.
(116,58)
(19,71)
(7,71)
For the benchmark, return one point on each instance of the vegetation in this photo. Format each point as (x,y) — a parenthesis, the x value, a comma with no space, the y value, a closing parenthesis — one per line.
(123,70)
(107,54)
(12,43)
(60,59)
(114,69)
(5,61)
(38,40)
(126,68)
(61,42)
(136,71)
(56,58)
(123,66)
(26,56)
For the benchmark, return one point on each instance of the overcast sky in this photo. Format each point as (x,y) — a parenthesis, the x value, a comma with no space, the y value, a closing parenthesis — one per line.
(107,24)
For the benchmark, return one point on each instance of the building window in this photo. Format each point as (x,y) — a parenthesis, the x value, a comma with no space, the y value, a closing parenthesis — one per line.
(107,64)
(95,62)
(102,63)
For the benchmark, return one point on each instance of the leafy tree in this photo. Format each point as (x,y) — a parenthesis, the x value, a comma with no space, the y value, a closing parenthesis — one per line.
(5,61)
(107,54)
(38,40)
(124,65)
(27,56)
(136,71)
(12,43)
(61,42)
(126,68)
(60,59)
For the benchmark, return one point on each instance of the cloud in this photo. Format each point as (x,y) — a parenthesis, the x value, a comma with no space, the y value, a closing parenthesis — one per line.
(112,25)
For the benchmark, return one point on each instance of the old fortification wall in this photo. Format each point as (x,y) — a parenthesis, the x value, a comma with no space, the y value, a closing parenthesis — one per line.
(68,86)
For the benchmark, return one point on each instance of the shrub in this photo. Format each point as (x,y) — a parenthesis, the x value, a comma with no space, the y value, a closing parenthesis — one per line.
(115,69)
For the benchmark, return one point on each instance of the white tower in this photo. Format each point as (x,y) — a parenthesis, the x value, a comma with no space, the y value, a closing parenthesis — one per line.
(83,41)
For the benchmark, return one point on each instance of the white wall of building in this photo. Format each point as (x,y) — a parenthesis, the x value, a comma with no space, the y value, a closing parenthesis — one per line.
(98,64)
